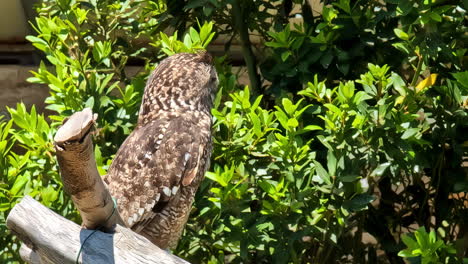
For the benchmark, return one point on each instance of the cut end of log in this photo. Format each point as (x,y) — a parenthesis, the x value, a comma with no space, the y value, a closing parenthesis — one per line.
(76,127)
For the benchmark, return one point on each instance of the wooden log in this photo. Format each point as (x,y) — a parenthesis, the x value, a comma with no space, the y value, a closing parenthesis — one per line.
(54,239)
(81,179)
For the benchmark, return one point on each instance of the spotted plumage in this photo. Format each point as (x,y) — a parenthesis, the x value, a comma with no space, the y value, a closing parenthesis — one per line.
(159,167)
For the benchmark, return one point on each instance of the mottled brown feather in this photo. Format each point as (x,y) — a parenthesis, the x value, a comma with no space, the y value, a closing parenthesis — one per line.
(159,167)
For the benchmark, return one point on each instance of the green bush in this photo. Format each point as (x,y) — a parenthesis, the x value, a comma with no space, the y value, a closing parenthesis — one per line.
(292,183)
(427,248)
(354,122)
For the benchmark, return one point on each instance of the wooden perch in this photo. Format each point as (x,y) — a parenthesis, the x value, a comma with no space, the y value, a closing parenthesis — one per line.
(54,239)
(50,238)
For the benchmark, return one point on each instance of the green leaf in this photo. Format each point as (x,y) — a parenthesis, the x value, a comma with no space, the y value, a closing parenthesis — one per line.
(334,109)
(410,132)
(293,123)
(434,16)
(325,142)
(267,187)
(194,4)
(206,34)
(462,78)
(360,97)
(187,41)
(347,89)
(194,35)
(422,238)
(359,202)
(256,124)
(20,182)
(401,47)
(379,171)
(5,207)
(38,43)
(90,102)
(285,55)
(398,84)
(329,13)
(256,102)
(406,253)
(326,59)
(343,4)
(401,34)
(49,195)
(432,237)
(282,118)
(275,44)
(214,176)
(331,163)
(349,178)
(322,173)
(309,128)
(289,107)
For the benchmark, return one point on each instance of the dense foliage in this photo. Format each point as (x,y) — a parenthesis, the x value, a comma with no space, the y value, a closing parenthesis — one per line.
(353,123)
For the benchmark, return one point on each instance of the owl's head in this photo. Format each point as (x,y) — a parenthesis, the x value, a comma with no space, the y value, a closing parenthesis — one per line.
(183,81)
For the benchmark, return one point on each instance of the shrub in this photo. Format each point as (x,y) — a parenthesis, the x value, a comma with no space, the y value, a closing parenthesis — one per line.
(427,248)
(293,183)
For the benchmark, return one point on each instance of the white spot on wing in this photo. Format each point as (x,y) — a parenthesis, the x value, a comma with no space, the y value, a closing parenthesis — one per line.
(167,191)
(174,190)
(150,206)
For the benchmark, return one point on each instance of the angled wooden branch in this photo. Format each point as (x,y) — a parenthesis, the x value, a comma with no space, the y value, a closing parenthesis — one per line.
(50,238)
(81,179)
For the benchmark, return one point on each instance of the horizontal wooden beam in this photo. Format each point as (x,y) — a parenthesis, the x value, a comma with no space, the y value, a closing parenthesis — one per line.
(51,238)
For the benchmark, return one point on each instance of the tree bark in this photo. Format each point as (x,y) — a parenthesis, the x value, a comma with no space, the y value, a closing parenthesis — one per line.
(81,179)
(240,14)
(50,238)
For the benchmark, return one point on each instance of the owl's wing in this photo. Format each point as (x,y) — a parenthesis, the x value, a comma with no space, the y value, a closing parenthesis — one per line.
(153,163)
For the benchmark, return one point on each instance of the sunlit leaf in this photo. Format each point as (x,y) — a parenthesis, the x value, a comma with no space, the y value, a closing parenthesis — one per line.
(429,81)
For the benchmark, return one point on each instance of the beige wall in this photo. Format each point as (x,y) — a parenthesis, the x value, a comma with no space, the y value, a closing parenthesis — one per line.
(13,23)
(14,88)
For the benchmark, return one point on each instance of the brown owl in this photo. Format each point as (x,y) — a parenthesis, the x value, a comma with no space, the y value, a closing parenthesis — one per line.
(159,167)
